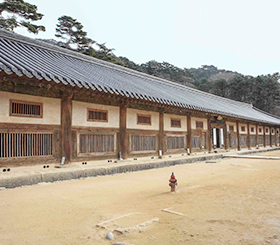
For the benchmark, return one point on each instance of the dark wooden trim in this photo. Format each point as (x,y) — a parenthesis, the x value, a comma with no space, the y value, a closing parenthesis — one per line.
(248,136)
(66,124)
(28,103)
(209,134)
(123,137)
(264,138)
(270,136)
(225,134)
(96,120)
(189,133)
(257,136)
(238,136)
(161,132)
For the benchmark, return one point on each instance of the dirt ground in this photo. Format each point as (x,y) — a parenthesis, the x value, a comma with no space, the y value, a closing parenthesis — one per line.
(232,201)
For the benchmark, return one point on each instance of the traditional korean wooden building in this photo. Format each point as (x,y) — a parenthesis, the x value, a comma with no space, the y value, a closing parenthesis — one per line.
(59,103)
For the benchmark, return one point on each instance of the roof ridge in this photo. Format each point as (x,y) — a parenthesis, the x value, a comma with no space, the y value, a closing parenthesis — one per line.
(52,47)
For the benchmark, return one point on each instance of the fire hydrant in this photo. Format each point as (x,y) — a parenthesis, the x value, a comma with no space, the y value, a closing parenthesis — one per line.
(172,182)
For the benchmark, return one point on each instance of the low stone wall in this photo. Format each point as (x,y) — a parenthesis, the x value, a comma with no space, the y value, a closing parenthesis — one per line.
(69,174)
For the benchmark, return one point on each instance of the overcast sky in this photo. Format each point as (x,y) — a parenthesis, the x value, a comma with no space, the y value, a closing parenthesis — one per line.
(237,35)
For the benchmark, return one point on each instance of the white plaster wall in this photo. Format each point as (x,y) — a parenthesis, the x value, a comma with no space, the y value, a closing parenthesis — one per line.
(231,124)
(131,120)
(79,115)
(253,126)
(51,109)
(268,132)
(273,133)
(194,119)
(167,123)
(242,125)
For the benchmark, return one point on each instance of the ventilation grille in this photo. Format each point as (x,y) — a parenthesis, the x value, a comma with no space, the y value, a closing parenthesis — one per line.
(25,144)
(175,142)
(29,109)
(143,143)
(94,143)
(97,115)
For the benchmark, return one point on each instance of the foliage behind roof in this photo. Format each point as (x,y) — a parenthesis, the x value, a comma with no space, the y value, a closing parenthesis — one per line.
(25,56)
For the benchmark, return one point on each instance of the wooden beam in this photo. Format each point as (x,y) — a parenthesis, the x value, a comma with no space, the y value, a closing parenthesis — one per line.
(264,138)
(66,125)
(270,136)
(225,135)
(209,138)
(161,132)
(257,135)
(238,136)
(189,133)
(123,140)
(248,136)
(275,137)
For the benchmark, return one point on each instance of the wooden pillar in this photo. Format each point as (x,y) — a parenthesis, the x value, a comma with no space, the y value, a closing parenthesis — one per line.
(66,125)
(161,132)
(248,136)
(209,135)
(123,144)
(238,137)
(270,136)
(264,141)
(225,135)
(257,135)
(189,133)
(275,137)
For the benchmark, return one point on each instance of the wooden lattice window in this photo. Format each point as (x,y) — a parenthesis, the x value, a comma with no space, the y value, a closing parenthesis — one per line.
(199,124)
(26,144)
(175,123)
(232,141)
(143,143)
(94,143)
(260,130)
(175,142)
(144,119)
(252,140)
(272,131)
(195,142)
(26,109)
(243,129)
(252,129)
(243,140)
(231,128)
(260,140)
(266,130)
(97,115)
(267,140)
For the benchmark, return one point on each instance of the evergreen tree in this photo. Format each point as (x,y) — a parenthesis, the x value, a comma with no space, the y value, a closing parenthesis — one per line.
(71,30)
(18,13)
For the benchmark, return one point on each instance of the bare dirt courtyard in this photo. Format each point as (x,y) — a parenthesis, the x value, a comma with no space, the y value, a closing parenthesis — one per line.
(232,201)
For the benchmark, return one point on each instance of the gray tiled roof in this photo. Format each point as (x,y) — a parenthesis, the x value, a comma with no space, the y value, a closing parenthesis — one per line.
(33,58)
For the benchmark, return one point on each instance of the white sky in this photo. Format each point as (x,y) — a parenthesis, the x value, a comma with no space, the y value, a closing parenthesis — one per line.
(237,35)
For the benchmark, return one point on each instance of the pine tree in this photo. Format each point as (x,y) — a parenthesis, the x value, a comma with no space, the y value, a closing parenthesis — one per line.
(18,13)
(71,30)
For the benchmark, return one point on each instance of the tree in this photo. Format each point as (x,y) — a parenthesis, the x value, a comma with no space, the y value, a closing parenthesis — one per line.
(71,30)
(220,88)
(17,13)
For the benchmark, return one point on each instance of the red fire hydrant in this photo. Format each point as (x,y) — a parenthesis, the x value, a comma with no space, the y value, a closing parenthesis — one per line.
(172,182)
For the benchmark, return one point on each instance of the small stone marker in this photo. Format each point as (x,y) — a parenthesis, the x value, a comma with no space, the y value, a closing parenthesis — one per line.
(110,236)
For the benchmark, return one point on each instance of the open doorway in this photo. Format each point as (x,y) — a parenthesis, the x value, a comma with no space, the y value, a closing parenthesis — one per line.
(218,137)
